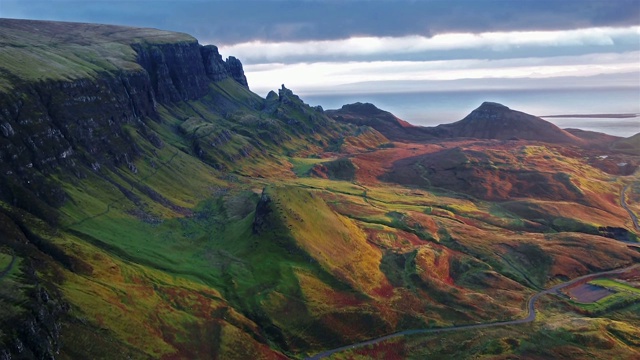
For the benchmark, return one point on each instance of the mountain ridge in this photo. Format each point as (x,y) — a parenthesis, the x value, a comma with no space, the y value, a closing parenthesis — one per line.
(496,121)
(105,124)
(152,209)
(489,121)
(388,124)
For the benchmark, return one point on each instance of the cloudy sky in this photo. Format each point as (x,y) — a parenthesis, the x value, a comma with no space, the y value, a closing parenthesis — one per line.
(379,46)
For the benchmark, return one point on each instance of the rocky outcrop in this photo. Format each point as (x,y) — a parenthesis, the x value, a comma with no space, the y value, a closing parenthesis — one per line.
(214,66)
(176,71)
(234,67)
(286,96)
(182,71)
(300,118)
(218,69)
(36,320)
(262,218)
(36,336)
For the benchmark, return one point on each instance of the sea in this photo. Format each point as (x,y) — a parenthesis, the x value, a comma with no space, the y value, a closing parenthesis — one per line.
(433,108)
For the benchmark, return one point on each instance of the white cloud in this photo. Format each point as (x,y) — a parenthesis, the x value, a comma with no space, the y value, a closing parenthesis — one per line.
(330,76)
(364,63)
(370,46)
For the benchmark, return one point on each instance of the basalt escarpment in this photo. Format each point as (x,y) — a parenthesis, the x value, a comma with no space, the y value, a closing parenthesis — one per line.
(74,125)
(140,157)
(218,69)
(79,115)
(183,71)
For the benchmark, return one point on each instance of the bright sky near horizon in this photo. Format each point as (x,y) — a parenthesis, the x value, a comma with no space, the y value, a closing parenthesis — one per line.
(368,46)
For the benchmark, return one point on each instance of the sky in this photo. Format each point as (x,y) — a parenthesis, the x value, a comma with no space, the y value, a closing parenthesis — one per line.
(334,47)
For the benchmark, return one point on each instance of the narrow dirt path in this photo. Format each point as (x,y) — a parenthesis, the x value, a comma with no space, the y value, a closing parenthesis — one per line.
(531,316)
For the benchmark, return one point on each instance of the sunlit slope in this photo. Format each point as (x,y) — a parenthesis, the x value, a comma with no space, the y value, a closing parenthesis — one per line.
(123,199)
(552,187)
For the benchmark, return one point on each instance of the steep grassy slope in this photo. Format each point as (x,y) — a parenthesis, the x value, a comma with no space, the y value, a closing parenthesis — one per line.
(132,165)
(152,206)
(629,145)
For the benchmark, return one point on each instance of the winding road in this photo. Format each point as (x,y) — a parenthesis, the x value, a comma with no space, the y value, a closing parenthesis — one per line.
(531,316)
(623,203)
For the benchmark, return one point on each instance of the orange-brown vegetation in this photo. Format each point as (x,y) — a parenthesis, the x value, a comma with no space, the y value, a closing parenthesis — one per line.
(218,224)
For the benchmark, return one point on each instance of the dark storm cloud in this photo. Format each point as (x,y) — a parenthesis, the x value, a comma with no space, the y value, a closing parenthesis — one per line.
(226,22)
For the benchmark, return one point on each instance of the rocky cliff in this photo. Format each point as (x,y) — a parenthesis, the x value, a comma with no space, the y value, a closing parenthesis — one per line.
(144,153)
(102,123)
(72,99)
(77,110)
(183,71)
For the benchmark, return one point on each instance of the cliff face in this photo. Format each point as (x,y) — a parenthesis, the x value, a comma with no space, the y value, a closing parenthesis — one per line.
(183,71)
(67,124)
(234,67)
(103,124)
(218,69)
(79,122)
(76,114)
(176,71)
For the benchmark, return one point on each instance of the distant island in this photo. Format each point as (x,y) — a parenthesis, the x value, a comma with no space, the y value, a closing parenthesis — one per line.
(595,116)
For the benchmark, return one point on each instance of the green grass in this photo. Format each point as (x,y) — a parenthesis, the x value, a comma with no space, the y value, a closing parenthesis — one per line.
(624,295)
(215,246)
(5,260)
(13,292)
(171,260)
(208,248)
(302,166)
(615,286)
(178,245)
(73,51)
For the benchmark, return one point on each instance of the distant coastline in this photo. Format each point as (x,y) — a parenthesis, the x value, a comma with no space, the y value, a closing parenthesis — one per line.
(594,116)
(434,108)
